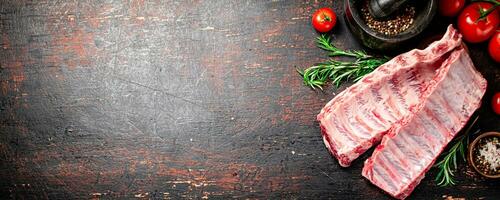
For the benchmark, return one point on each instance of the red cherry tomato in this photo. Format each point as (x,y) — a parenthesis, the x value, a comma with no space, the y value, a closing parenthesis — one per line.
(473,29)
(495,103)
(324,19)
(450,8)
(494,46)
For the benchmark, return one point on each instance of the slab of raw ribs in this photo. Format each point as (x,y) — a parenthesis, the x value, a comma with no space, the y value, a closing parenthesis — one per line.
(416,102)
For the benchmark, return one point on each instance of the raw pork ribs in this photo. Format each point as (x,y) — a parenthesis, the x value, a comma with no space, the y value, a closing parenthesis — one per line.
(419,100)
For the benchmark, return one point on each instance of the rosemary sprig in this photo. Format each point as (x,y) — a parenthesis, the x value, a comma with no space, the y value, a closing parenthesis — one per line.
(338,71)
(448,164)
(319,74)
(324,43)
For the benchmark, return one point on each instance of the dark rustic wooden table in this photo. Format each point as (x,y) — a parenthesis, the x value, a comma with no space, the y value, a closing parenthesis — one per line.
(179,99)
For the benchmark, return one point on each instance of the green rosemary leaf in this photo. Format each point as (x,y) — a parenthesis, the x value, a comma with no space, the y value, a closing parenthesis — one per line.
(337,71)
(301,72)
(358,78)
(439,175)
(455,161)
(448,164)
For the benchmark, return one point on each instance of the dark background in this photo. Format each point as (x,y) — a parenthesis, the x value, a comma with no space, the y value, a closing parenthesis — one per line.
(180,99)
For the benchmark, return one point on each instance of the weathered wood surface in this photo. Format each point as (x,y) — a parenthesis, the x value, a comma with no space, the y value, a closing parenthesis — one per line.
(178,99)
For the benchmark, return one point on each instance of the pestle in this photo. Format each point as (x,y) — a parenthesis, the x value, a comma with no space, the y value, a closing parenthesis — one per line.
(381,9)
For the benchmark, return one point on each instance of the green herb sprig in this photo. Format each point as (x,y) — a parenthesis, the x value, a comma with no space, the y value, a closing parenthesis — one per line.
(319,74)
(484,14)
(448,164)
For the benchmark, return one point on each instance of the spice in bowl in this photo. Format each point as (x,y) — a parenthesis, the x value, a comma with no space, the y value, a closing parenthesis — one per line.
(399,22)
(486,155)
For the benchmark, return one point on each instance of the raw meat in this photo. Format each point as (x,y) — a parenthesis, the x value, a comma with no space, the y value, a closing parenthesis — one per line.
(358,117)
(410,148)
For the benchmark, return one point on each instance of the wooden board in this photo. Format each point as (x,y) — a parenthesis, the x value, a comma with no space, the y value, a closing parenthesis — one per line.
(179,99)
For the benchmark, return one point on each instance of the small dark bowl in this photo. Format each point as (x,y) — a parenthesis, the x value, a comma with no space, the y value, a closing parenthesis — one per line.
(424,12)
(470,154)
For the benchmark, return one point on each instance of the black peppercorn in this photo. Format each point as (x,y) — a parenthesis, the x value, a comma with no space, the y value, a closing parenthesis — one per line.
(397,23)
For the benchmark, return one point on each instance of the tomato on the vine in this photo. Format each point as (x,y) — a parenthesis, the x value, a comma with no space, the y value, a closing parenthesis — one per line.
(324,19)
(495,103)
(450,8)
(473,28)
(494,46)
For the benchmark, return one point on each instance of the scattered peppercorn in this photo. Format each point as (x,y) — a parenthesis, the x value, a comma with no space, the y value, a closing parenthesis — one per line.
(395,24)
